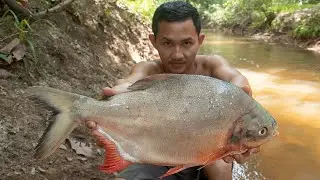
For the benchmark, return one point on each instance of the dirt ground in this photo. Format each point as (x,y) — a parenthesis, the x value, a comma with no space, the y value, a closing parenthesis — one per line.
(83,49)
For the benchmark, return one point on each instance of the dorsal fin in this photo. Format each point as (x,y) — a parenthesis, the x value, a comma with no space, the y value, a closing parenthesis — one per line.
(145,83)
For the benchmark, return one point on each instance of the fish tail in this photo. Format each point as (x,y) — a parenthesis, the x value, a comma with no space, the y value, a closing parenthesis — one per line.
(62,124)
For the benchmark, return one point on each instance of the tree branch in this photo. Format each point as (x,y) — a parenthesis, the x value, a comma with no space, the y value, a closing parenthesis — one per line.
(27,13)
(14,5)
(56,8)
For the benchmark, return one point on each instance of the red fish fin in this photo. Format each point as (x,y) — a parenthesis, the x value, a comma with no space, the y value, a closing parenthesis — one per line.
(206,164)
(174,170)
(212,158)
(148,81)
(113,162)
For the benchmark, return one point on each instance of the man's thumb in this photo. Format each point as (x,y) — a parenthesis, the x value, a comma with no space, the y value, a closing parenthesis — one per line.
(247,89)
(108,91)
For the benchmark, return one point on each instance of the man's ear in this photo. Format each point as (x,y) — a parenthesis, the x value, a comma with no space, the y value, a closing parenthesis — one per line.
(152,38)
(201,38)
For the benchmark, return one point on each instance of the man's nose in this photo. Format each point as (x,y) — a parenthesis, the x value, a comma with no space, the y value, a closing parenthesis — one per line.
(177,54)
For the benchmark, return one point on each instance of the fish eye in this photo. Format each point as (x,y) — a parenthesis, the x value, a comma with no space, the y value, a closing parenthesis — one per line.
(263,131)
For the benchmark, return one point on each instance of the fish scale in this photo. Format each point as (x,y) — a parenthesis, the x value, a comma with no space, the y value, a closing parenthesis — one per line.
(166,119)
(166,132)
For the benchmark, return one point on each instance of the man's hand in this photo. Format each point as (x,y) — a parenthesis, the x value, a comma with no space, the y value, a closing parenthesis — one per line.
(241,158)
(242,82)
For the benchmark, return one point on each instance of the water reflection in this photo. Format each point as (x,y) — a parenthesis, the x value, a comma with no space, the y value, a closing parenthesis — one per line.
(295,104)
(250,54)
(294,98)
(286,81)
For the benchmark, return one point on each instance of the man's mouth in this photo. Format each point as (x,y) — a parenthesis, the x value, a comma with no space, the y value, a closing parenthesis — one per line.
(177,62)
(177,65)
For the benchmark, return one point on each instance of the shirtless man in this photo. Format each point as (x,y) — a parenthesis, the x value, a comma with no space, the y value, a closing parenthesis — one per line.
(177,38)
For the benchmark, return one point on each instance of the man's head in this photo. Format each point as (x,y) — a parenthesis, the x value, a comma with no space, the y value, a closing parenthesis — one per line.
(175,11)
(176,26)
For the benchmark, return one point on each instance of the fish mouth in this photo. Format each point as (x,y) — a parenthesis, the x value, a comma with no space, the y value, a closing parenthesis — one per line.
(275,133)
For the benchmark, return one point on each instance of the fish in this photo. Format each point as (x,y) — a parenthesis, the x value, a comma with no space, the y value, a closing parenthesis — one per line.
(176,120)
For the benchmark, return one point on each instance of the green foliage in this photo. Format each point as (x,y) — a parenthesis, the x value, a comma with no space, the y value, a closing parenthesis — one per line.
(258,14)
(33,50)
(250,14)
(4,57)
(308,27)
(216,16)
(299,24)
(244,13)
(258,19)
(22,25)
(290,7)
(145,8)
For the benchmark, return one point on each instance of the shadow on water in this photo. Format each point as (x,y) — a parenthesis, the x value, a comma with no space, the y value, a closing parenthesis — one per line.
(286,81)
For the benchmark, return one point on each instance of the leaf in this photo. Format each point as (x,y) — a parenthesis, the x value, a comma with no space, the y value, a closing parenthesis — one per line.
(10,59)
(8,48)
(17,22)
(35,59)
(3,56)
(80,148)
(7,59)
(19,51)
(24,23)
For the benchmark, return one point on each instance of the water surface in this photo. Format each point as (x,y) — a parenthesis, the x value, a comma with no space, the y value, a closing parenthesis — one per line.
(286,81)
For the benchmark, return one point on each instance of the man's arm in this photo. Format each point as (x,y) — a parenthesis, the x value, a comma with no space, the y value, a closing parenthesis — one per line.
(221,69)
(138,71)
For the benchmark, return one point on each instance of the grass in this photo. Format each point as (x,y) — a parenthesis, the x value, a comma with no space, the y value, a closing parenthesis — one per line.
(145,8)
(290,7)
(23,28)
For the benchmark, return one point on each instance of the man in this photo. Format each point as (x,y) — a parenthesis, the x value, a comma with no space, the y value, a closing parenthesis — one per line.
(177,38)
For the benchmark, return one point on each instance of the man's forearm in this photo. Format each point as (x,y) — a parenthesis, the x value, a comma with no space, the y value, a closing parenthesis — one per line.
(243,83)
(138,72)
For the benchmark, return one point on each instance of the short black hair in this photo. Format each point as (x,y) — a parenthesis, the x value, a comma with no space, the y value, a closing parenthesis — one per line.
(175,11)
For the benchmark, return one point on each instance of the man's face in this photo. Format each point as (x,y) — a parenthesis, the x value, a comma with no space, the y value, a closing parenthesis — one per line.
(177,44)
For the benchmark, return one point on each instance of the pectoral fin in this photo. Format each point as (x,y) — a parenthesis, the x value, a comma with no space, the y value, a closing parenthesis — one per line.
(175,170)
(113,161)
(212,158)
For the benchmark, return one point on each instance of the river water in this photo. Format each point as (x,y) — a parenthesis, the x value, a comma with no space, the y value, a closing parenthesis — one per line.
(286,81)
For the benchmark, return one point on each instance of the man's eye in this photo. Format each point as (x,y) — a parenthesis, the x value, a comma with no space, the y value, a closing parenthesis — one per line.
(187,43)
(166,43)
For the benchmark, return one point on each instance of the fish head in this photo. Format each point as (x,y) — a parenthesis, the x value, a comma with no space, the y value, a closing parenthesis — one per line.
(255,128)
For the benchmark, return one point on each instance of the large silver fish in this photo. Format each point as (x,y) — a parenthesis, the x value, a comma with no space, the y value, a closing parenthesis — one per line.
(165,119)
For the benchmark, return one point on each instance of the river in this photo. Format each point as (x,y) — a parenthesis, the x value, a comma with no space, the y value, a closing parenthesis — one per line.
(286,81)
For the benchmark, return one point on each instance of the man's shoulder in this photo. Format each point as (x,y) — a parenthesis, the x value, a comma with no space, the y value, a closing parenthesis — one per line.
(209,59)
